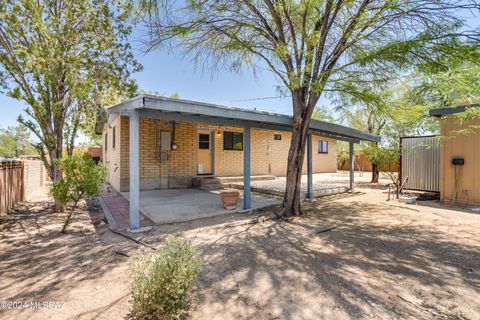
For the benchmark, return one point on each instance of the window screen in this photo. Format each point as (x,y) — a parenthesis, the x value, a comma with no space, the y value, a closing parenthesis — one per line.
(322,146)
(203,141)
(232,140)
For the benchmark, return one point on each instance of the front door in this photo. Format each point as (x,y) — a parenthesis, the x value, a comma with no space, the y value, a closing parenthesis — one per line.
(204,165)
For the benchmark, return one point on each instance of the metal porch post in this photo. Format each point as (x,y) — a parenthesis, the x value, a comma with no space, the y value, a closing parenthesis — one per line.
(352,164)
(309,167)
(246,168)
(134,171)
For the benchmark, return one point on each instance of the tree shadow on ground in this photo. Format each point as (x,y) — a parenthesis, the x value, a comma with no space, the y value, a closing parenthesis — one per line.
(36,260)
(377,263)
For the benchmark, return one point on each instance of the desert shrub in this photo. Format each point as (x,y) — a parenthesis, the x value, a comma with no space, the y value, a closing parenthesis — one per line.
(81,178)
(161,281)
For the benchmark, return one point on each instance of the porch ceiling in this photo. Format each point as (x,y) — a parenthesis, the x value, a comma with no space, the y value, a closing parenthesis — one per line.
(156,107)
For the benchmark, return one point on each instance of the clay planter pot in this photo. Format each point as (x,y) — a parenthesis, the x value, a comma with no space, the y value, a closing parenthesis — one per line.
(229,199)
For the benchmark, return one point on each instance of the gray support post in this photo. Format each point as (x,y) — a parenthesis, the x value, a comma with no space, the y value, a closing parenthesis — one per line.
(352,166)
(134,171)
(246,168)
(309,167)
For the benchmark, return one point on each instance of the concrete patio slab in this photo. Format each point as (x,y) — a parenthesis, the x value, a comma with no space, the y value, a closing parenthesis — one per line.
(179,205)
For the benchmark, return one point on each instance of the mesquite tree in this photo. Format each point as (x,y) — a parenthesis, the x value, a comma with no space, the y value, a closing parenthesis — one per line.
(64,59)
(311,45)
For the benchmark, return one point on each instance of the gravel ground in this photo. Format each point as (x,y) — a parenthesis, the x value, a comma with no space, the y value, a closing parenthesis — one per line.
(381,260)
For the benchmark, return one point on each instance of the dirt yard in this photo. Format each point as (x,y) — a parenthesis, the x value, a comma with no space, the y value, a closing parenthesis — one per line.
(381,261)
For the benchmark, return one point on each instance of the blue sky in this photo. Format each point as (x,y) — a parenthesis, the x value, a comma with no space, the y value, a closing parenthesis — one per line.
(168,72)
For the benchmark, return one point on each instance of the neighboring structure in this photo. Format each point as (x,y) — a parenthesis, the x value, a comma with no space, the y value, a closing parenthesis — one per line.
(176,140)
(459,155)
(94,151)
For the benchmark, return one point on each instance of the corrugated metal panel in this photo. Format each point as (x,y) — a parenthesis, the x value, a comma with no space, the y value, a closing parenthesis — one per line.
(421,163)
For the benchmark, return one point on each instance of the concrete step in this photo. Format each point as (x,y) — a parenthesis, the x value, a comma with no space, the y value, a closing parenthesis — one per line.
(206,183)
(240,178)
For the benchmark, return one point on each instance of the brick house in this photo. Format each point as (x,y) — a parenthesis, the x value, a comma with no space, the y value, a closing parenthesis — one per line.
(201,150)
(177,140)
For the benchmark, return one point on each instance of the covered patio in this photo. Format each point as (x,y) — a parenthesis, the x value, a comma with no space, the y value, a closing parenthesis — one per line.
(161,108)
(181,205)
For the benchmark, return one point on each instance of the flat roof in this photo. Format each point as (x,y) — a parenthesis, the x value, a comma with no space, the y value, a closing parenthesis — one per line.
(158,107)
(439,112)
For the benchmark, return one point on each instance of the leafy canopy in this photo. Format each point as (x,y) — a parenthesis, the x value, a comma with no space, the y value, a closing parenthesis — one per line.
(15,142)
(65,59)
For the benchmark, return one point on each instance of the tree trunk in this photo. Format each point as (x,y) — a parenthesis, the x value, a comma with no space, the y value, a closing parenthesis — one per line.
(69,218)
(296,155)
(57,173)
(375,173)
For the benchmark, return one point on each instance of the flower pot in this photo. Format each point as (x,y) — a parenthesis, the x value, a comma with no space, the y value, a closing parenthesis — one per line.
(229,199)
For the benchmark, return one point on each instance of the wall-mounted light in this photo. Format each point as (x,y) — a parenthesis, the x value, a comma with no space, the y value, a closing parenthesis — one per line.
(174,146)
(219,133)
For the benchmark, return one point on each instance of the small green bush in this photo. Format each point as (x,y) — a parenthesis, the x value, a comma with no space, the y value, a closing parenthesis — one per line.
(81,178)
(160,282)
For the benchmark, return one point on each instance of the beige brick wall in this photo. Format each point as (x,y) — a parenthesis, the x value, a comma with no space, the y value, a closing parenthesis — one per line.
(112,156)
(268,156)
(227,162)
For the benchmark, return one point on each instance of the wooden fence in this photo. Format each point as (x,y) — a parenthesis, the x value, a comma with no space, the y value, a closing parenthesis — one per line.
(362,164)
(12,187)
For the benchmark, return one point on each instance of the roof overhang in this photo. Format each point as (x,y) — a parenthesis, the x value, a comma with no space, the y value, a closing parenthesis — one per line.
(440,112)
(156,107)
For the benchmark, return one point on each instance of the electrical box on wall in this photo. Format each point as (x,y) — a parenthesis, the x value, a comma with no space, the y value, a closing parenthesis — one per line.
(458,161)
(165,140)
(163,156)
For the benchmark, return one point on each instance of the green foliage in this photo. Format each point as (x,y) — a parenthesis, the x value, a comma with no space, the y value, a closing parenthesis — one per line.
(389,111)
(160,282)
(383,157)
(323,113)
(449,81)
(343,153)
(15,142)
(65,60)
(81,178)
